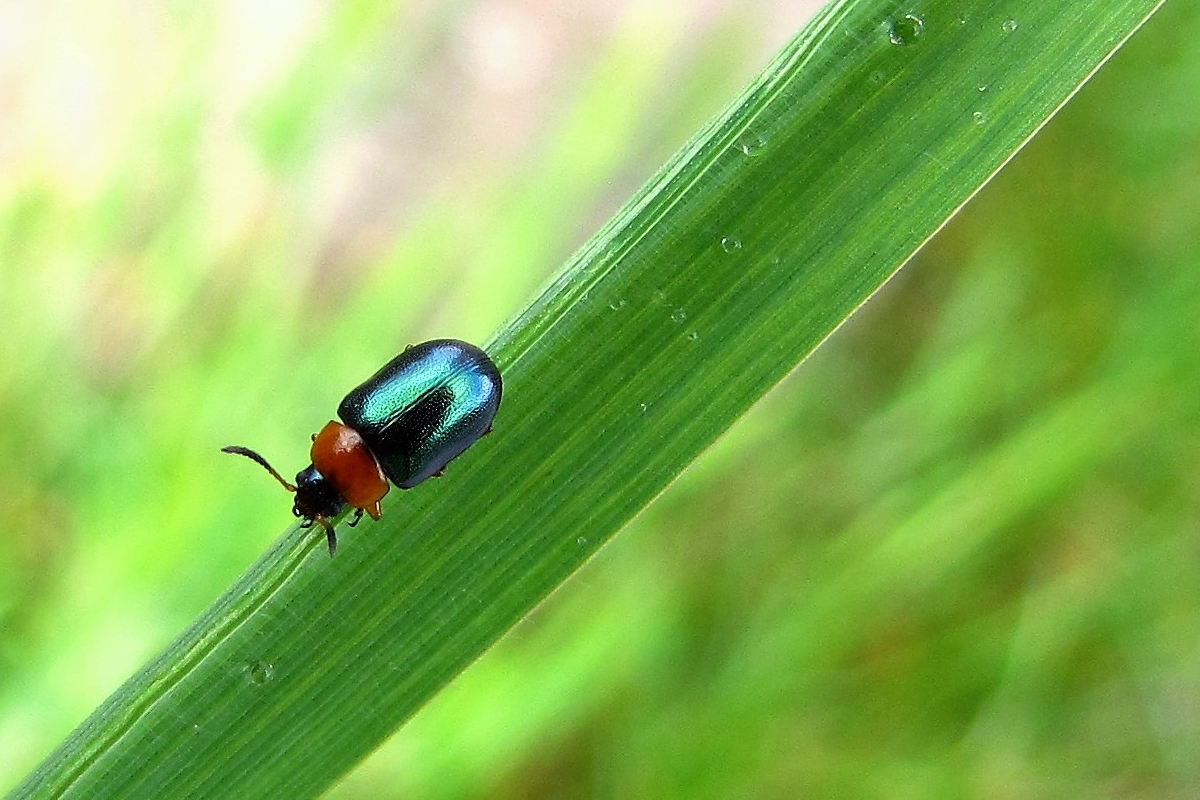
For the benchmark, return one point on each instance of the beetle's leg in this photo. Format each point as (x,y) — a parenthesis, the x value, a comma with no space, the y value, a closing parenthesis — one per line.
(330,535)
(358,512)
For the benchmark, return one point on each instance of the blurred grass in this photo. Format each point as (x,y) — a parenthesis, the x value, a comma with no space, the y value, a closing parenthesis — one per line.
(1017,409)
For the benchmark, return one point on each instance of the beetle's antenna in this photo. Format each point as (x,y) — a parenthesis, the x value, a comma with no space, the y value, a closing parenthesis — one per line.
(253,456)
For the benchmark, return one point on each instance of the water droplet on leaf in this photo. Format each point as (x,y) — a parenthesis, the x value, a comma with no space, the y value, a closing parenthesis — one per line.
(260,673)
(752,144)
(905,30)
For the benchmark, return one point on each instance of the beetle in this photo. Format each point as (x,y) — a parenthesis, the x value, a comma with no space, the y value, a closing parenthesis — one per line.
(404,424)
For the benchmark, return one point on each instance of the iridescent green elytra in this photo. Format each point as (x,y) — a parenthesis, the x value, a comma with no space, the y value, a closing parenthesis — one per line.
(424,408)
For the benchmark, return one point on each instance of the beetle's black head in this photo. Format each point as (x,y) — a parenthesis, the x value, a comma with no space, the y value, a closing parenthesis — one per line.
(315,496)
(316,499)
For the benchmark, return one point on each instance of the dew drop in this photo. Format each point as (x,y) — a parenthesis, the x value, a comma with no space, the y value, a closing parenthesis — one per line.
(617,305)
(581,541)
(983,87)
(1009,25)
(643,407)
(979,117)
(906,30)
(260,673)
(678,315)
(730,244)
(693,336)
(752,144)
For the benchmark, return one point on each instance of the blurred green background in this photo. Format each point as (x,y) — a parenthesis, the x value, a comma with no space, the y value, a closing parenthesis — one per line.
(954,555)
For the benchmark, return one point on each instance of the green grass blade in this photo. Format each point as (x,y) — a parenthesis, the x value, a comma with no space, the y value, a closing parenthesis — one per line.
(751,246)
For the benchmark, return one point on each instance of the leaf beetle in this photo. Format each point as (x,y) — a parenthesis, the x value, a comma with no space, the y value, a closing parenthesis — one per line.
(404,424)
